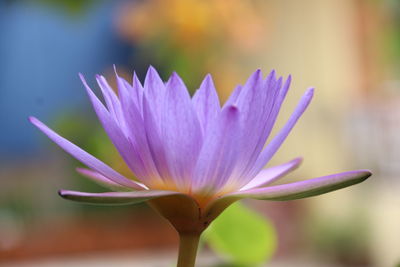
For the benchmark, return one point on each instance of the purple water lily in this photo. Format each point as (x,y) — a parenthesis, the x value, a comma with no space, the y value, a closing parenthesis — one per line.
(191,157)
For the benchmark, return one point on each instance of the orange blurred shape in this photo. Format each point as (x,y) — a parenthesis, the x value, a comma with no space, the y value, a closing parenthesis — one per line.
(195,23)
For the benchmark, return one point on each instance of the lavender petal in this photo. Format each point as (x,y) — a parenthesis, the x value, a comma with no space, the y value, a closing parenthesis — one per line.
(114,198)
(154,89)
(136,132)
(206,103)
(102,180)
(118,137)
(307,188)
(250,102)
(219,153)
(85,157)
(137,93)
(257,106)
(270,175)
(275,144)
(181,132)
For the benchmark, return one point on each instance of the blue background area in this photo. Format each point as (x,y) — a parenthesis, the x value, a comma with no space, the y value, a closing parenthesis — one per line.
(42,49)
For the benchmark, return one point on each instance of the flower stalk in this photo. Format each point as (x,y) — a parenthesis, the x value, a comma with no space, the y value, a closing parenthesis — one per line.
(188,244)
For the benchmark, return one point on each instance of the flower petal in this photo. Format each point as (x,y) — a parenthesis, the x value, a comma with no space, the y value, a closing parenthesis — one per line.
(206,103)
(111,99)
(102,180)
(156,145)
(292,191)
(115,198)
(154,89)
(137,93)
(257,108)
(275,144)
(181,132)
(219,153)
(307,188)
(118,136)
(85,157)
(276,105)
(109,95)
(255,103)
(250,102)
(136,132)
(270,175)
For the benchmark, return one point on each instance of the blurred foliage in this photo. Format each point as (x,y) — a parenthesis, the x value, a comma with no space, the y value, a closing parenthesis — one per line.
(20,206)
(71,7)
(345,241)
(390,30)
(242,236)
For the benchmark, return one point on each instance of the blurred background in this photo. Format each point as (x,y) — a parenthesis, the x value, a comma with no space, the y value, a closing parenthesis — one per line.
(349,50)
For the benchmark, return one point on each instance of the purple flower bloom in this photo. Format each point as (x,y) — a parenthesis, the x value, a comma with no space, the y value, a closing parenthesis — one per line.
(191,157)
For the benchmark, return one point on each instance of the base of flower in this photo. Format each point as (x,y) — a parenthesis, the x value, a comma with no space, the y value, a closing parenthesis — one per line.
(189,219)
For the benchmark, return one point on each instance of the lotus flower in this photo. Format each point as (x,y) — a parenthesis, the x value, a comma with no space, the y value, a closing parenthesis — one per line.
(191,157)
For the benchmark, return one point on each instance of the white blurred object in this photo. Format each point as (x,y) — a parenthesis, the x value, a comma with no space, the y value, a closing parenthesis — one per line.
(374,133)
(384,218)
(374,127)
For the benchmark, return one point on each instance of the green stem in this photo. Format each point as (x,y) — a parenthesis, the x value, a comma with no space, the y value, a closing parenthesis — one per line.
(188,243)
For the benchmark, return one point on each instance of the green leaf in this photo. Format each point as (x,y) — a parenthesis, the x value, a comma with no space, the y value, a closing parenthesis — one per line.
(242,236)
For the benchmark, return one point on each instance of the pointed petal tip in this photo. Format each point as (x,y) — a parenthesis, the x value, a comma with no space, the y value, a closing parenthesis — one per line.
(175,79)
(308,96)
(71,195)
(298,160)
(116,72)
(62,193)
(363,173)
(271,76)
(32,119)
(35,121)
(208,79)
(85,84)
(288,81)
(258,73)
(81,77)
(83,80)
(207,84)
(81,170)
(152,71)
